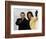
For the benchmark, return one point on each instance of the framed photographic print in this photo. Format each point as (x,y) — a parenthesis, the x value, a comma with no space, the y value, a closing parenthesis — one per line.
(24,19)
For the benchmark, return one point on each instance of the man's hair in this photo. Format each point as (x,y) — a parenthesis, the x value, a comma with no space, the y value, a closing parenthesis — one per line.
(29,13)
(22,13)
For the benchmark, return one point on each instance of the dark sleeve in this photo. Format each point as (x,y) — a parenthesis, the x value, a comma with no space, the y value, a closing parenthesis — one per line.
(28,25)
(17,22)
(36,13)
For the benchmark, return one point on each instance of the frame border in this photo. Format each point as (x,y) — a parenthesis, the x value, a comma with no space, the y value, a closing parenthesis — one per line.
(8,18)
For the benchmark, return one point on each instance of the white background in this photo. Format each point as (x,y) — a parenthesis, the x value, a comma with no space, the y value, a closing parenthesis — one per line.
(14,16)
(2,20)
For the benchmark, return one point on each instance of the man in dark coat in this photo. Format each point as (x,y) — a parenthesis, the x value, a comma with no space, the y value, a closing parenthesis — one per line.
(23,22)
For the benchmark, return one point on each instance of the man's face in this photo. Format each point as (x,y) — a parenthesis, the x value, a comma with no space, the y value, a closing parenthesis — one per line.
(22,16)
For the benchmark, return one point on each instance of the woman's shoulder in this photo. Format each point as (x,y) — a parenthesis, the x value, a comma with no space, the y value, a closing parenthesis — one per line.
(34,18)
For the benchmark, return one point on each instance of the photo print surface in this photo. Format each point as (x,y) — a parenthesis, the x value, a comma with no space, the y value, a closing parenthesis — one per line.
(26,19)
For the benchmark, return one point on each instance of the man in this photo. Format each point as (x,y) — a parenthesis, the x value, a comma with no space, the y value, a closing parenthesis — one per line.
(22,22)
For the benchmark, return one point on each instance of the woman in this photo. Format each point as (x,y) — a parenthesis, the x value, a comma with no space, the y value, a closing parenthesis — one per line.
(32,20)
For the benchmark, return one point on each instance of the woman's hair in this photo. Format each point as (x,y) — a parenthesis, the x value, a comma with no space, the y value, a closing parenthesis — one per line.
(29,13)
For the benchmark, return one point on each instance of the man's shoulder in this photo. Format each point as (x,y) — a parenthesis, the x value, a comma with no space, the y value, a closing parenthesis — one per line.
(19,19)
(26,20)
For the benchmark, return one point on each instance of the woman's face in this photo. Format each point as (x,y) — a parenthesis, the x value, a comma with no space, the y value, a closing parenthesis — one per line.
(29,16)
